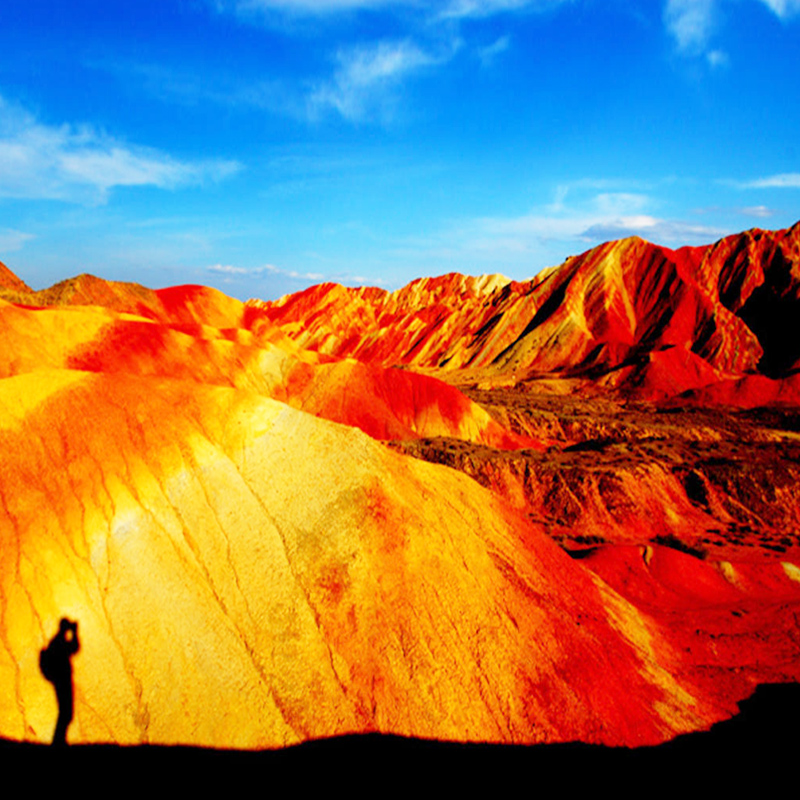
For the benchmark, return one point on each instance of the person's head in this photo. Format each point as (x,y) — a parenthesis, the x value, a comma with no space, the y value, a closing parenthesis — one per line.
(68,628)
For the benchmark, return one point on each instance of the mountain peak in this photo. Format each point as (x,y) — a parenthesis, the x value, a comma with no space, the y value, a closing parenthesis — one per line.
(8,280)
(608,314)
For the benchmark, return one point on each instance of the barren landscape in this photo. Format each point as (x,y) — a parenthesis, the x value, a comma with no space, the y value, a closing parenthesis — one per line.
(471,510)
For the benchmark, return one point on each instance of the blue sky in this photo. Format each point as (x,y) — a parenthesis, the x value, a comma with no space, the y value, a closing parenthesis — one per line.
(264,145)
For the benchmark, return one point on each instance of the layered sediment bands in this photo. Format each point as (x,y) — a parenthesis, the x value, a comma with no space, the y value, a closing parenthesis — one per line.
(393,404)
(629,317)
(247,575)
(177,306)
(712,503)
(384,403)
(719,483)
(9,282)
(431,323)
(189,477)
(733,622)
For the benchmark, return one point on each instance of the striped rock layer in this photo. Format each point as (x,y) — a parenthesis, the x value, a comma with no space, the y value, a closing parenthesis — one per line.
(203,487)
(627,317)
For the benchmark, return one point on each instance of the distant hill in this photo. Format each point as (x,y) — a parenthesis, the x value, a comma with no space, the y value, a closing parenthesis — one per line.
(628,318)
(10,282)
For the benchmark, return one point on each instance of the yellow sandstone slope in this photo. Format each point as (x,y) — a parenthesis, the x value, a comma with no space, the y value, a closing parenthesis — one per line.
(247,575)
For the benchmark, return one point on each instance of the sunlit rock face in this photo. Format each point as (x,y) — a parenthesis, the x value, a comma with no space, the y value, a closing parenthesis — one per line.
(627,317)
(10,282)
(211,496)
(247,575)
(198,334)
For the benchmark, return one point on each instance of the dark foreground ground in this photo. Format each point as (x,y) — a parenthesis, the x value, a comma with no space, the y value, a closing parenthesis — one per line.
(758,748)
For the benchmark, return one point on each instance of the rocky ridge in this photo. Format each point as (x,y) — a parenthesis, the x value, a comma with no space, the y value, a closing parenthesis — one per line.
(628,318)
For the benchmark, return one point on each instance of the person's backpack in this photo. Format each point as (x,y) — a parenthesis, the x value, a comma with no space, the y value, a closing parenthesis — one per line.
(46,664)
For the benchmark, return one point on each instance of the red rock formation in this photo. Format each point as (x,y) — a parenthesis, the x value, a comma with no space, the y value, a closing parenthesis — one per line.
(640,320)
(247,574)
(9,281)
(196,334)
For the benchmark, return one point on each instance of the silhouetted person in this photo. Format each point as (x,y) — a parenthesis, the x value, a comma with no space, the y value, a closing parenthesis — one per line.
(56,666)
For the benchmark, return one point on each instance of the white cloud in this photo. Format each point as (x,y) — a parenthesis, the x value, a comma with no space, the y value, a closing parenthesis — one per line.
(231,271)
(521,246)
(783,8)
(482,8)
(692,23)
(460,9)
(80,164)
(292,273)
(488,54)
(524,233)
(312,6)
(757,211)
(579,219)
(718,59)
(575,221)
(451,9)
(364,83)
(227,269)
(609,204)
(11,240)
(652,229)
(787,180)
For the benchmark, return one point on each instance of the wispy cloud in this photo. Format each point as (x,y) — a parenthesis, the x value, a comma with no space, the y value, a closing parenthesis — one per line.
(653,229)
(610,204)
(577,219)
(317,7)
(290,278)
(451,9)
(293,273)
(692,23)
(367,79)
(783,8)
(757,211)
(81,164)
(717,59)
(364,84)
(573,217)
(227,269)
(786,180)
(458,9)
(488,54)
(12,240)
(525,233)
(271,269)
